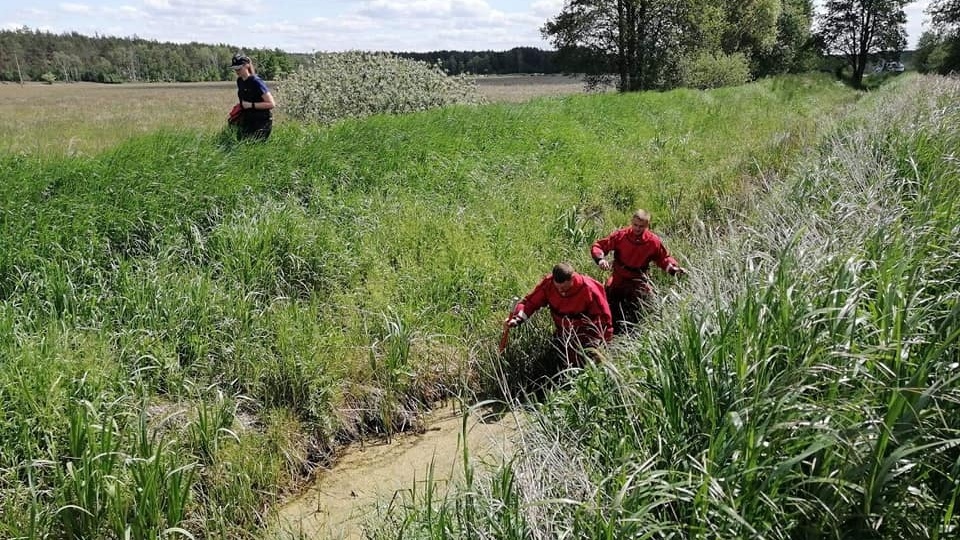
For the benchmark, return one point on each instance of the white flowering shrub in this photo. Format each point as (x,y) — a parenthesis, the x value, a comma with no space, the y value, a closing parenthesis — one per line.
(357,84)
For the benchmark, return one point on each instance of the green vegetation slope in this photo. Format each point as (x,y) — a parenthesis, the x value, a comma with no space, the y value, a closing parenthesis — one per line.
(186,327)
(801,384)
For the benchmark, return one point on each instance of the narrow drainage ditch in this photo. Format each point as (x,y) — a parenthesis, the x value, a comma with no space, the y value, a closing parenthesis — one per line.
(336,505)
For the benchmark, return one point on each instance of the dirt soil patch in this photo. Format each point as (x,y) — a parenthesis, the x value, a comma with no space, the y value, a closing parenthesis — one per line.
(335,506)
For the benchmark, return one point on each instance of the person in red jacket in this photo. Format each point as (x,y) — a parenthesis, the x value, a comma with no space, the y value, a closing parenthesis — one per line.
(634,248)
(578,304)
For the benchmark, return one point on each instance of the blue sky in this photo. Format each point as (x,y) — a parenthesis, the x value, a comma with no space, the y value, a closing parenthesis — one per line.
(314,25)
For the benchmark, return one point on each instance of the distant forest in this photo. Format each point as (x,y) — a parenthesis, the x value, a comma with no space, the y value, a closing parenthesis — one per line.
(32,55)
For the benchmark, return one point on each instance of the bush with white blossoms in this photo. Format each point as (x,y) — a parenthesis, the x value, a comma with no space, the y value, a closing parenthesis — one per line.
(356,84)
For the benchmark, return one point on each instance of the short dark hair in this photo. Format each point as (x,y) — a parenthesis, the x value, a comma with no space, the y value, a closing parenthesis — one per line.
(563,272)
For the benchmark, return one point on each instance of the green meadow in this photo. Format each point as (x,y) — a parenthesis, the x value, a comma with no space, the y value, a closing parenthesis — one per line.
(189,326)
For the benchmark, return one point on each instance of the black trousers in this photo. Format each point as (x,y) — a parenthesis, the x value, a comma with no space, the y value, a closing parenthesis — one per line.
(628,307)
(256,130)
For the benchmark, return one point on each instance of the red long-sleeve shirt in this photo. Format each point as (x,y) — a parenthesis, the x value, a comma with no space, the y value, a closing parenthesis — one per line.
(632,255)
(583,309)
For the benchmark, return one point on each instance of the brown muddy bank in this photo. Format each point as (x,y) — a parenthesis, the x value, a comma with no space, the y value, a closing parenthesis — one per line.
(341,500)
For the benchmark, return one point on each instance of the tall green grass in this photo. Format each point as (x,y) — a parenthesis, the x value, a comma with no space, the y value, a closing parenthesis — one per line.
(802,385)
(213,320)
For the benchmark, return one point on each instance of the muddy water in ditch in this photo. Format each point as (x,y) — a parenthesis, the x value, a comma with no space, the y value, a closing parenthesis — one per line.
(336,505)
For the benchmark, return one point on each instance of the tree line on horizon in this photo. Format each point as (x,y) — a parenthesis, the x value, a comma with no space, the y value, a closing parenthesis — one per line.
(34,55)
(630,44)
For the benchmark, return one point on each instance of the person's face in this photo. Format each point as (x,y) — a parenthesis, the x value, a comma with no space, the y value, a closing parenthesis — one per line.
(638,225)
(242,70)
(564,287)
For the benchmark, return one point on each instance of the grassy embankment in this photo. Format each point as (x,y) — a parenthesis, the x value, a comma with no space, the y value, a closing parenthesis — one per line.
(804,383)
(186,327)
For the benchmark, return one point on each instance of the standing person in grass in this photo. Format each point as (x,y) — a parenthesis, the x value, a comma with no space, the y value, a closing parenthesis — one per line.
(581,315)
(256,101)
(633,248)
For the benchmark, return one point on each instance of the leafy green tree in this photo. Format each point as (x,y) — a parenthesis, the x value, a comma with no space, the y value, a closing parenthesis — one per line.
(713,70)
(647,44)
(938,52)
(516,60)
(273,65)
(858,30)
(944,12)
(479,64)
(925,47)
(793,51)
(942,50)
(732,36)
(638,40)
(749,26)
(68,65)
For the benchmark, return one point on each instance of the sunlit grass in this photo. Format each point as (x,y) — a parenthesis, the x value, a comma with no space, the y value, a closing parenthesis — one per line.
(278,299)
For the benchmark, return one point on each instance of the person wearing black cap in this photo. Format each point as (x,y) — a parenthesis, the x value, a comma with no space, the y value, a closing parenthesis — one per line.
(256,101)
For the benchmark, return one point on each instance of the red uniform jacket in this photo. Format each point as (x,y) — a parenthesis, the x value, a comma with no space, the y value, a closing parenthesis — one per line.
(632,257)
(583,310)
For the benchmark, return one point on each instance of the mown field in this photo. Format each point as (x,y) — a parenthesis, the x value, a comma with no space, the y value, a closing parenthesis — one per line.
(188,327)
(86,118)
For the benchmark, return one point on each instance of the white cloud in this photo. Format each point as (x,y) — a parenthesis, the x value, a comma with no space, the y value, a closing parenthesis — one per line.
(190,4)
(32,12)
(198,9)
(472,8)
(357,25)
(546,9)
(127,12)
(75,9)
(431,9)
(279,28)
(420,19)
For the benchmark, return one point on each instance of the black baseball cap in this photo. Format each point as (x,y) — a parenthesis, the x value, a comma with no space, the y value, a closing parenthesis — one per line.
(239,61)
